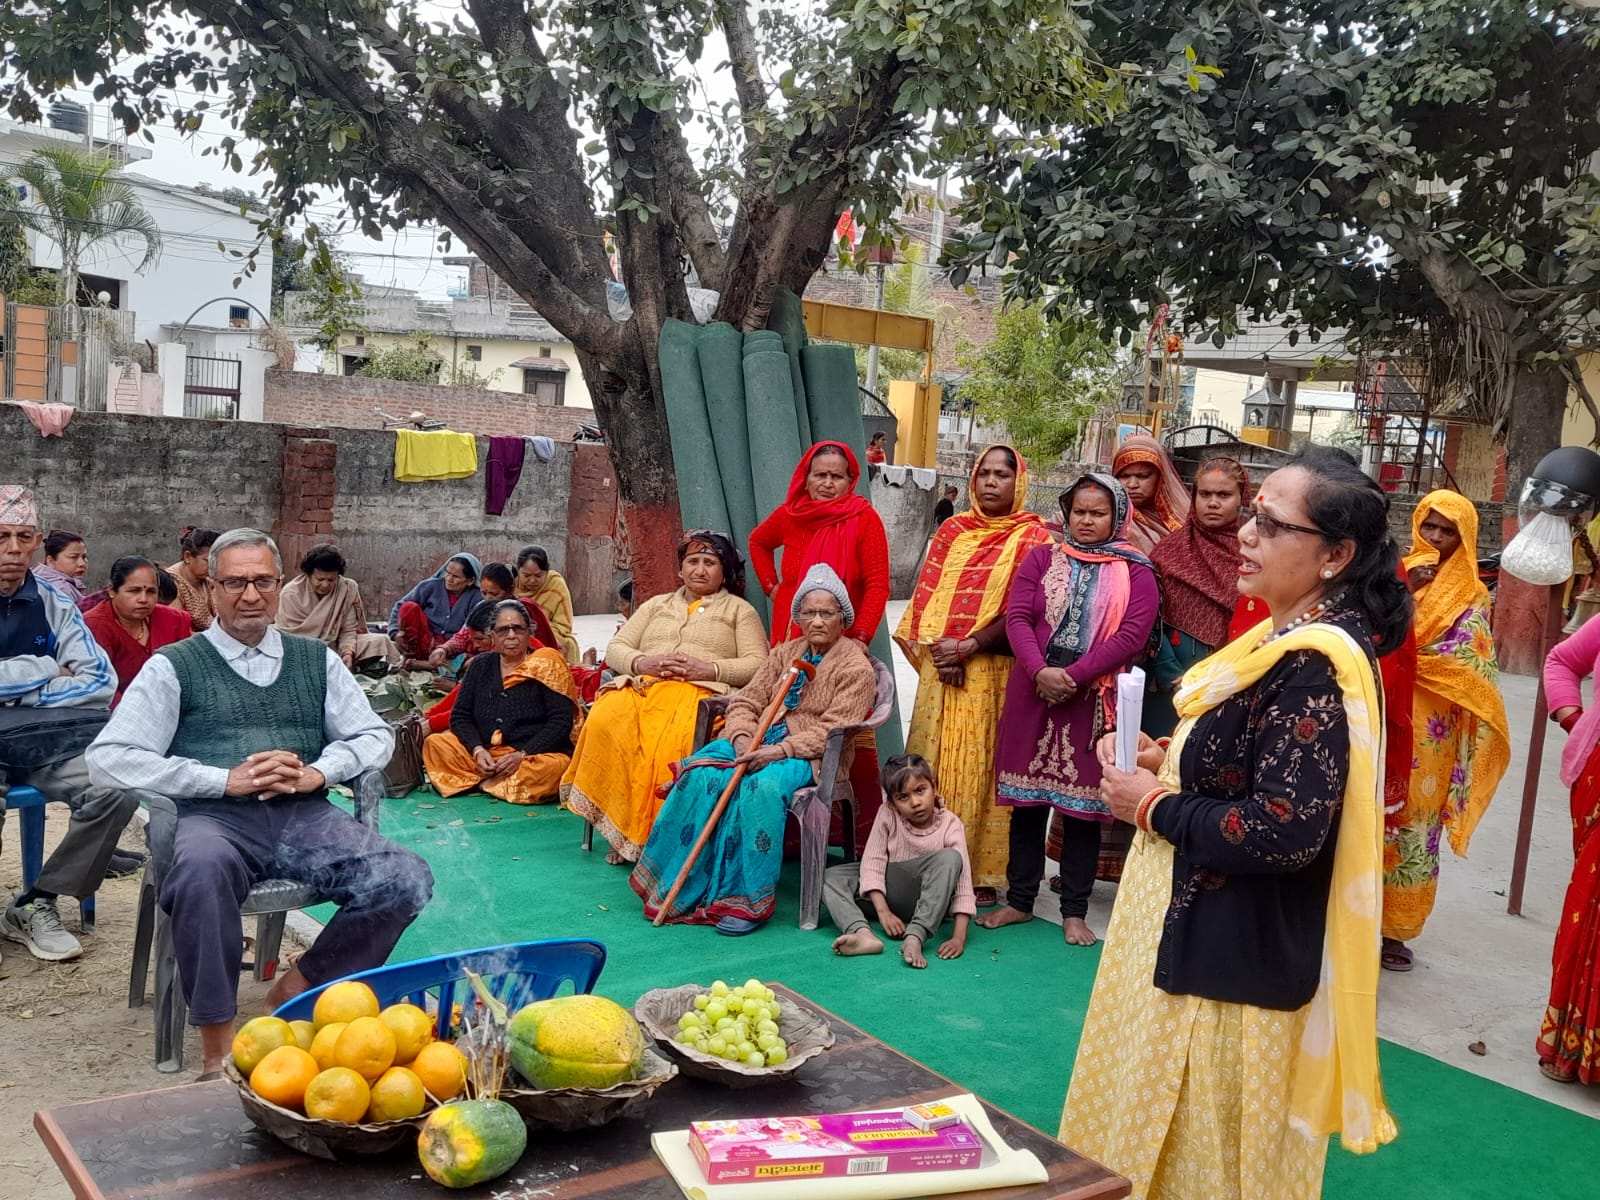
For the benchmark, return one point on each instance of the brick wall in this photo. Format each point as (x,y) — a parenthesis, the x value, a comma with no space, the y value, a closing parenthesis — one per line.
(305,398)
(130,483)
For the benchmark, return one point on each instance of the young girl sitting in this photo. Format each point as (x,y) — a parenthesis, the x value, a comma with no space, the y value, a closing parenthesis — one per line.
(913,872)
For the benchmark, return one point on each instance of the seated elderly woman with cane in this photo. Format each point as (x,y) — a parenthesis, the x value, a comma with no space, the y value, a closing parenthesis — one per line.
(735,791)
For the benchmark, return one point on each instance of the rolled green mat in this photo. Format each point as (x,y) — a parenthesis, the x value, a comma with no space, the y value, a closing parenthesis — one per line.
(834,399)
(722,378)
(890,739)
(758,340)
(788,318)
(769,417)
(693,457)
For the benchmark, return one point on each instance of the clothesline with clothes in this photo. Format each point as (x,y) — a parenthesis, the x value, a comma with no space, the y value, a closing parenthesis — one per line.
(423,456)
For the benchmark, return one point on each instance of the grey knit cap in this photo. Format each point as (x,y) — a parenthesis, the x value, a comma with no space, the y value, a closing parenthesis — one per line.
(822,577)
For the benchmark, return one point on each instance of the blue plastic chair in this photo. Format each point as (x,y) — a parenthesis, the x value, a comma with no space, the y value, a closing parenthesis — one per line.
(30,802)
(517,974)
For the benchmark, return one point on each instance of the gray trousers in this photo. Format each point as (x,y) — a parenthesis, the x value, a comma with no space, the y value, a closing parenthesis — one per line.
(918,891)
(99,816)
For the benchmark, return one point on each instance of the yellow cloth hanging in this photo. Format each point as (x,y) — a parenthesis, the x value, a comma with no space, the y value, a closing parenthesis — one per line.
(434,454)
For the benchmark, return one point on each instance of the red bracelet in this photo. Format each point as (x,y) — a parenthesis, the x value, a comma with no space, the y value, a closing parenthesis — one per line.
(1571,719)
(1141,814)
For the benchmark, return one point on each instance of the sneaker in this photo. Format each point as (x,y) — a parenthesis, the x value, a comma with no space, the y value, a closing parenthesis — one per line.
(38,927)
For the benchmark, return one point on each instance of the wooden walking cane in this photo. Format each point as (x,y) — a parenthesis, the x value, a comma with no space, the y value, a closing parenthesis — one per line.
(798,667)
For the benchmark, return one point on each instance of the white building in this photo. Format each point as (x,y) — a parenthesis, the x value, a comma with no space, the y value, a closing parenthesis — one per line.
(193,279)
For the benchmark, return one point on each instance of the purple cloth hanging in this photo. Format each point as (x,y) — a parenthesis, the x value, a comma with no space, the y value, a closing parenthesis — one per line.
(504,469)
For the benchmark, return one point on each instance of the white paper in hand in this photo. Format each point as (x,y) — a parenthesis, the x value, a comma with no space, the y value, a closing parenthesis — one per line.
(1130,710)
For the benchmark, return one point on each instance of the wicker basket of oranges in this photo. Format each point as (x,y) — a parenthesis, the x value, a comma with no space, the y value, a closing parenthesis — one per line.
(355,1080)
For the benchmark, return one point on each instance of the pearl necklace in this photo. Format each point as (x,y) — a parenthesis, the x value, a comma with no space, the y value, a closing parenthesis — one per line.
(1311,614)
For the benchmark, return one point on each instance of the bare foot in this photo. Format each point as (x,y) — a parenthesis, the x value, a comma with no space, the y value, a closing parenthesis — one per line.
(1076,932)
(289,985)
(862,941)
(1004,916)
(615,858)
(911,951)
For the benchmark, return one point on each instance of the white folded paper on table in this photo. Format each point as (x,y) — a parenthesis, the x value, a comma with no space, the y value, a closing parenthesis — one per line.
(1002,1166)
(1130,709)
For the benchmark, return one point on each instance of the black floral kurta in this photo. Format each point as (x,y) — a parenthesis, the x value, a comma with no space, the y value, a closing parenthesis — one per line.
(1253,834)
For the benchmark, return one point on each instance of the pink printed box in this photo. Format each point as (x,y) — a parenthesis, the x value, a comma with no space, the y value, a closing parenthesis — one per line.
(864,1143)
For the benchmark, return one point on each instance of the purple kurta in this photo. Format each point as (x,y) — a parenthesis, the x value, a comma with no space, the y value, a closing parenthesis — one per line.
(1045,752)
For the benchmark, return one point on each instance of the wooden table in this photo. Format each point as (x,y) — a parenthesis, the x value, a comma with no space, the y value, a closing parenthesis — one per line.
(195,1141)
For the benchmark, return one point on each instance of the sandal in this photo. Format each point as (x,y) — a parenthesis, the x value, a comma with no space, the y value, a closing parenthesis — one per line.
(736,926)
(1551,1071)
(986,897)
(1396,956)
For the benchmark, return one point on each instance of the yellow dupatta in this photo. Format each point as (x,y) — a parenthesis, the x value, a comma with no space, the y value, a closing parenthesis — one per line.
(966,578)
(1336,1080)
(547,666)
(1456,659)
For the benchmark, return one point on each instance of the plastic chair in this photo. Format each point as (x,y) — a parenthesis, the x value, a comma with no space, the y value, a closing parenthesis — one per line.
(812,806)
(517,974)
(30,802)
(269,901)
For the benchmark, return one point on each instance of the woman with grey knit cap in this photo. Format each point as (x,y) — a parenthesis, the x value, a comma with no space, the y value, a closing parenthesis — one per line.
(734,880)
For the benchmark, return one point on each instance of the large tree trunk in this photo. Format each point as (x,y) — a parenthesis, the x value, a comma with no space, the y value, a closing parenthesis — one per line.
(1538,406)
(627,401)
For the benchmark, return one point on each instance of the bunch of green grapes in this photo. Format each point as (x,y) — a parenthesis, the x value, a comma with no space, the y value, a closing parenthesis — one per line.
(739,1024)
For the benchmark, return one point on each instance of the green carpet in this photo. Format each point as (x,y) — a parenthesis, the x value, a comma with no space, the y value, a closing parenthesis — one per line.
(1002,1021)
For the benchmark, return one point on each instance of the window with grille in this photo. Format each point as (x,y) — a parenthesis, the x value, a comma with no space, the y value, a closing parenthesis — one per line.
(546,387)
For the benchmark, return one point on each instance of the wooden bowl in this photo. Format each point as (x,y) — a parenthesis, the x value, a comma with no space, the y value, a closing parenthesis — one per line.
(568,1109)
(804,1029)
(325,1139)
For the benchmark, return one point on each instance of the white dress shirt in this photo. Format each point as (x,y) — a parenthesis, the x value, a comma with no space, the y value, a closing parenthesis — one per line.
(131,751)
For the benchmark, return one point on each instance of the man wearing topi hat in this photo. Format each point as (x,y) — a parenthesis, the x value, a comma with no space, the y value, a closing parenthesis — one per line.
(55,686)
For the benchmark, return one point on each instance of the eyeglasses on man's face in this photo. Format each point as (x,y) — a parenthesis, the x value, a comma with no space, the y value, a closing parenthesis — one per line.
(235,585)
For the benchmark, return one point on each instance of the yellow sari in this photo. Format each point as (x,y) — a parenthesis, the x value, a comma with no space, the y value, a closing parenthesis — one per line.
(556,601)
(1460,735)
(1190,1097)
(962,588)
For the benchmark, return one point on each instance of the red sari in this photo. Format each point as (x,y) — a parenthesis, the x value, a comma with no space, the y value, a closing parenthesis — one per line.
(846,533)
(126,652)
(1569,1035)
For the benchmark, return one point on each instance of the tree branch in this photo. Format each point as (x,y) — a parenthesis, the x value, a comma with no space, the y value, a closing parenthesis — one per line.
(734,17)
(691,210)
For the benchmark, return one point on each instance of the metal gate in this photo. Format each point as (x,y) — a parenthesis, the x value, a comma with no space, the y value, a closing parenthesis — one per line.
(211,387)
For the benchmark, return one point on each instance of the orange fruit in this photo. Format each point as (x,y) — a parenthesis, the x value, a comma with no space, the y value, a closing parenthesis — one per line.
(338,1094)
(397,1095)
(283,1076)
(304,1033)
(344,1002)
(412,1029)
(442,1069)
(366,1046)
(257,1038)
(322,1045)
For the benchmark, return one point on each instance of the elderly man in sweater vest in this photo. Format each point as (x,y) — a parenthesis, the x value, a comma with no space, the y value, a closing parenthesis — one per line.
(245,727)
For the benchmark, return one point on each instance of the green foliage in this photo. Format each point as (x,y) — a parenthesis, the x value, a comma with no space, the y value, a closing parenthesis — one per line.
(1413,173)
(465,374)
(414,363)
(77,200)
(14,259)
(332,305)
(35,286)
(1041,376)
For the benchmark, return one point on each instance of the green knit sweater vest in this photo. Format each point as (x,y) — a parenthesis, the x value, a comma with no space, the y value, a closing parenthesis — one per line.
(224,718)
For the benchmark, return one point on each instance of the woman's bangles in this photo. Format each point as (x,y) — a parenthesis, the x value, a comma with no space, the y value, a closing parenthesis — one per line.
(1147,802)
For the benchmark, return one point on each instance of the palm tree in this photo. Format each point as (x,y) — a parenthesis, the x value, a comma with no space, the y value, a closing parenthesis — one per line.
(77,200)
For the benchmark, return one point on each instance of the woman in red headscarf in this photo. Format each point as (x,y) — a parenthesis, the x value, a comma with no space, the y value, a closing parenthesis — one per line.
(1160,501)
(824,519)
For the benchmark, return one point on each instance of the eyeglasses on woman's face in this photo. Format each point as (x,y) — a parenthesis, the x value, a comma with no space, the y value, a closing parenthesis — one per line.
(821,614)
(507,630)
(1268,526)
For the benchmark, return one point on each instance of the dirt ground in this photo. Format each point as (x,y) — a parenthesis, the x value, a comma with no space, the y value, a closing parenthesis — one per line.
(66,1031)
